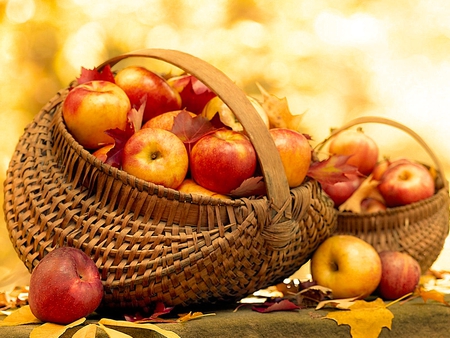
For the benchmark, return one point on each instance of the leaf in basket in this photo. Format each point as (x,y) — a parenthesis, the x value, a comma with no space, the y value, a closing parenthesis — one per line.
(194,93)
(278,111)
(367,189)
(271,306)
(332,170)
(190,129)
(253,186)
(366,319)
(94,74)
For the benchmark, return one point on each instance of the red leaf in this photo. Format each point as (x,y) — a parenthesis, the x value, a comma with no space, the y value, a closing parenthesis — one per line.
(252,186)
(271,306)
(190,129)
(93,74)
(195,94)
(332,170)
(159,311)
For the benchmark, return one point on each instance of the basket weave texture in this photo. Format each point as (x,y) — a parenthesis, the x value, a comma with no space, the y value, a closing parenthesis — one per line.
(419,229)
(152,243)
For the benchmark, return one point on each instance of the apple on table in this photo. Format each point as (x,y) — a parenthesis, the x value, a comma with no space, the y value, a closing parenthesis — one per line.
(65,286)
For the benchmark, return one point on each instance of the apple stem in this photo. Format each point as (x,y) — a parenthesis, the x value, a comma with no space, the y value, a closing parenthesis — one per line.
(399,299)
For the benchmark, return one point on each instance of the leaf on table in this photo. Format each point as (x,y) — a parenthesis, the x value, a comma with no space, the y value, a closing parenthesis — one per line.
(193,315)
(253,186)
(431,295)
(88,331)
(20,316)
(342,304)
(367,189)
(160,310)
(50,330)
(271,306)
(113,333)
(147,326)
(313,295)
(332,170)
(190,129)
(94,75)
(366,319)
(278,111)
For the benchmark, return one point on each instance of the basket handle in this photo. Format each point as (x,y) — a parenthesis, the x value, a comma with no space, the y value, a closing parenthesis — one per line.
(276,182)
(382,120)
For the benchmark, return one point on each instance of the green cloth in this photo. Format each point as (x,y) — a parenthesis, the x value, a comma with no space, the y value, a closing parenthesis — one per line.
(415,318)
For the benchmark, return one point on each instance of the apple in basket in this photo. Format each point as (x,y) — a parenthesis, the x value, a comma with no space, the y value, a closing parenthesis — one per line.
(348,265)
(295,153)
(341,191)
(156,155)
(406,183)
(362,149)
(143,85)
(400,274)
(222,160)
(93,107)
(165,120)
(65,286)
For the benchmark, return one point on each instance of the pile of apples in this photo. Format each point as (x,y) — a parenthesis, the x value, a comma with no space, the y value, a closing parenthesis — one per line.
(174,132)
(377,184)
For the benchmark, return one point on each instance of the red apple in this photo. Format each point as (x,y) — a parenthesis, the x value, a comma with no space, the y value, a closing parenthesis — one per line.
(156,155)
(295,153)
(143,85)
(165,120)
(406,183)
(65,286)
(341,191)
(363,151)
(222,160)
(194,93)
(93,107)
(400,274)
(382,166)
(372,205)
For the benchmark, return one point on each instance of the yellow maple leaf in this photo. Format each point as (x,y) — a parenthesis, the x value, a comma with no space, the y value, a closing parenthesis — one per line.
(195,315)
(88,331)
(366,319)
(278,111)
(431,295)
(342,304)
(122,323)
(21,316)
(50,330)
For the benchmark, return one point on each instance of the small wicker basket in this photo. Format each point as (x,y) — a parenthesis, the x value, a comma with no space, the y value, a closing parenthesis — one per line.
(419,229)
(151,243)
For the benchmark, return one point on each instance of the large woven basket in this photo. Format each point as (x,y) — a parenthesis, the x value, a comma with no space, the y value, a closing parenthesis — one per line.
(419,229)
(151,243)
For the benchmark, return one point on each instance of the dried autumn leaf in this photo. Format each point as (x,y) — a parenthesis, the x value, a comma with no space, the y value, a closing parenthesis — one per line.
(50,330)
(366,319)
(431,295)
(342,304)
(88,331)
(113,333)
(367,189)
(122,323)
(94,74)
(20,316)
(160,310)
(271,306)
(332,170)
(253,186)
(278,111)
(195,315)
(313,295)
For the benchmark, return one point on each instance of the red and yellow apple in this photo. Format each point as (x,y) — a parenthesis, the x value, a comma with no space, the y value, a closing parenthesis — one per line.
(295,152)
(156,155)
(406,183)
(362,149)
(222,160)
(189,186)
(93,107)
(142,85)
(383,165)
(400,274)
(348,265)
(165,120)
(65,286)
(372,205)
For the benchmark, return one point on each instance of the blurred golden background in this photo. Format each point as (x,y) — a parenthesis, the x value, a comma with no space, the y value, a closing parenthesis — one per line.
(332,60)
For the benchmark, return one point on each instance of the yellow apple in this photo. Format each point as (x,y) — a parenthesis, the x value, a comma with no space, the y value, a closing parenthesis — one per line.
(295,153)
(348,265)
(93,107)
(190,187)
(156,155)
(165,120)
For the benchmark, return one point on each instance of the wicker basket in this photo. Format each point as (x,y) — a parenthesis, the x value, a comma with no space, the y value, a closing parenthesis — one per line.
(419,229)
(151,243)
